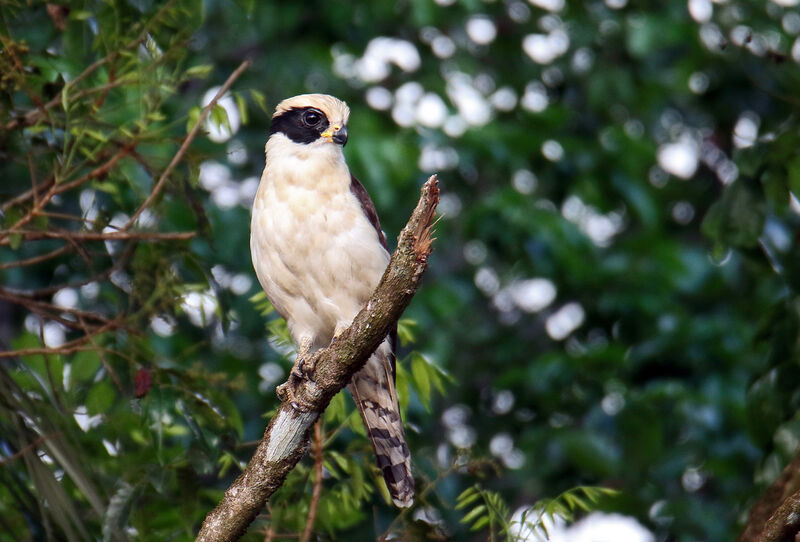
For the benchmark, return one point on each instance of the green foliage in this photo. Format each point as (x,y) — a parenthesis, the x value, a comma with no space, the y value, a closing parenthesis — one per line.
(487,510)
(593,313)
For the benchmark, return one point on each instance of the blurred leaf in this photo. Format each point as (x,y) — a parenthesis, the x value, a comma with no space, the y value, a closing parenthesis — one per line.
(14,240)
(793,170)
(201,71)
(419,369)
(219,118)
(260,99)
(738,218)
(241,105)
(100,398)
(405,330)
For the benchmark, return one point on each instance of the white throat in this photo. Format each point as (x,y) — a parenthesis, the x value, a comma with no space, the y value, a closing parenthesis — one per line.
(319,165)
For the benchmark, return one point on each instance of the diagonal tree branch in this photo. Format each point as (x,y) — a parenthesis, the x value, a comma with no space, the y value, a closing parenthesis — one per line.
(286,438)
(777,509)
(784,524)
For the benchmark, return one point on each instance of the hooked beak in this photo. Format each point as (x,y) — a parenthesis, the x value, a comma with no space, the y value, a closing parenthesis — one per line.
(337,134)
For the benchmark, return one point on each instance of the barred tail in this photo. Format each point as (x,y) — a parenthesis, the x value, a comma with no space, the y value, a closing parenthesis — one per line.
(375,396)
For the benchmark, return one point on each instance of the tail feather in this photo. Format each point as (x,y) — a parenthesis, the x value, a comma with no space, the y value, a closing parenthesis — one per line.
(375,396)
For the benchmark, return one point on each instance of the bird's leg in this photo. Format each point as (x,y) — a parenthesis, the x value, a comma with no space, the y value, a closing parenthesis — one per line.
(301,370)
(341,327)
(303,366)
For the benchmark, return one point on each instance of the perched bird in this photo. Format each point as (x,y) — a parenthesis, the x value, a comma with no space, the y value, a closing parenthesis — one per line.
(319,252)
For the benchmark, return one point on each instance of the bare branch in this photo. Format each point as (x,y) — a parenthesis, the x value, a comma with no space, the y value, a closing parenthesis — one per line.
(58,188)
(771,509)
(33,235)
(316,449)
(70,347)
(36,259)
(784,524)
(286,438)
(27,449)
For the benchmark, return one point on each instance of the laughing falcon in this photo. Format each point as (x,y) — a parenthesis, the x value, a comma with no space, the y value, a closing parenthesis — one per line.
(319,253)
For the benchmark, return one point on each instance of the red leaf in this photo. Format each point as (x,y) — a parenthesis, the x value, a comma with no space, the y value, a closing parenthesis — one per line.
(142,382)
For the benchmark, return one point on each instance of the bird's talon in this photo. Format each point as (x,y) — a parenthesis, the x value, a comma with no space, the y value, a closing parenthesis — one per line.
(285,392)
(303,369)
(282,391)
(298,407)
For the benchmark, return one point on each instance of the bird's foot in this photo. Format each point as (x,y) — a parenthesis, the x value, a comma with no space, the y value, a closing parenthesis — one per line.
(303,368)
(286,392)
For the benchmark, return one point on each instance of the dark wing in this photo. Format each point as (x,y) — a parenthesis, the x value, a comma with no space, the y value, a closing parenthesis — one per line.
(368,207)
(363,198)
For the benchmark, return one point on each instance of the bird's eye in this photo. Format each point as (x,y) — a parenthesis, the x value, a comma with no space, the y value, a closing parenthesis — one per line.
(311,118)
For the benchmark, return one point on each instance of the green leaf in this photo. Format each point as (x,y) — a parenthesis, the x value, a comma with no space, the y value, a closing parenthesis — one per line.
(474,513)
(482,522)
(279,331)
(260,99)
(193,117)
(65,98)
(219,118)
(340,460)
(419,370)
(84,366)
(241,104)
(100,398)
(94,134)
(738,218)
(246,5)
(200,71)
(337,409)
(793,172)
(405,330)
(775,187)
(80,15)
(14,240)
(467,497)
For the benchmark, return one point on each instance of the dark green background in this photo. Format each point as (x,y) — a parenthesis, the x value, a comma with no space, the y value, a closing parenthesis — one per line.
(679,386)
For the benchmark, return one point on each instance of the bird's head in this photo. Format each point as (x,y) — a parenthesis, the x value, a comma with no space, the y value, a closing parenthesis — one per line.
(312,119)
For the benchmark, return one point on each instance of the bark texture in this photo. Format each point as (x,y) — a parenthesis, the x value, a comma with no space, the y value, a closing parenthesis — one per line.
(287,435)
(776,514)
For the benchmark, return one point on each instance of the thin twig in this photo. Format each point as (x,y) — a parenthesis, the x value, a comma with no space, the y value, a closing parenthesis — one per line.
(11,296)
(71,347)
(19,198)
(316,449)
(34,235)
(30,447)
(127,252)
(101,351)
(32,170)
(73,218)
(36,259)
(58,188)
(186,142)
